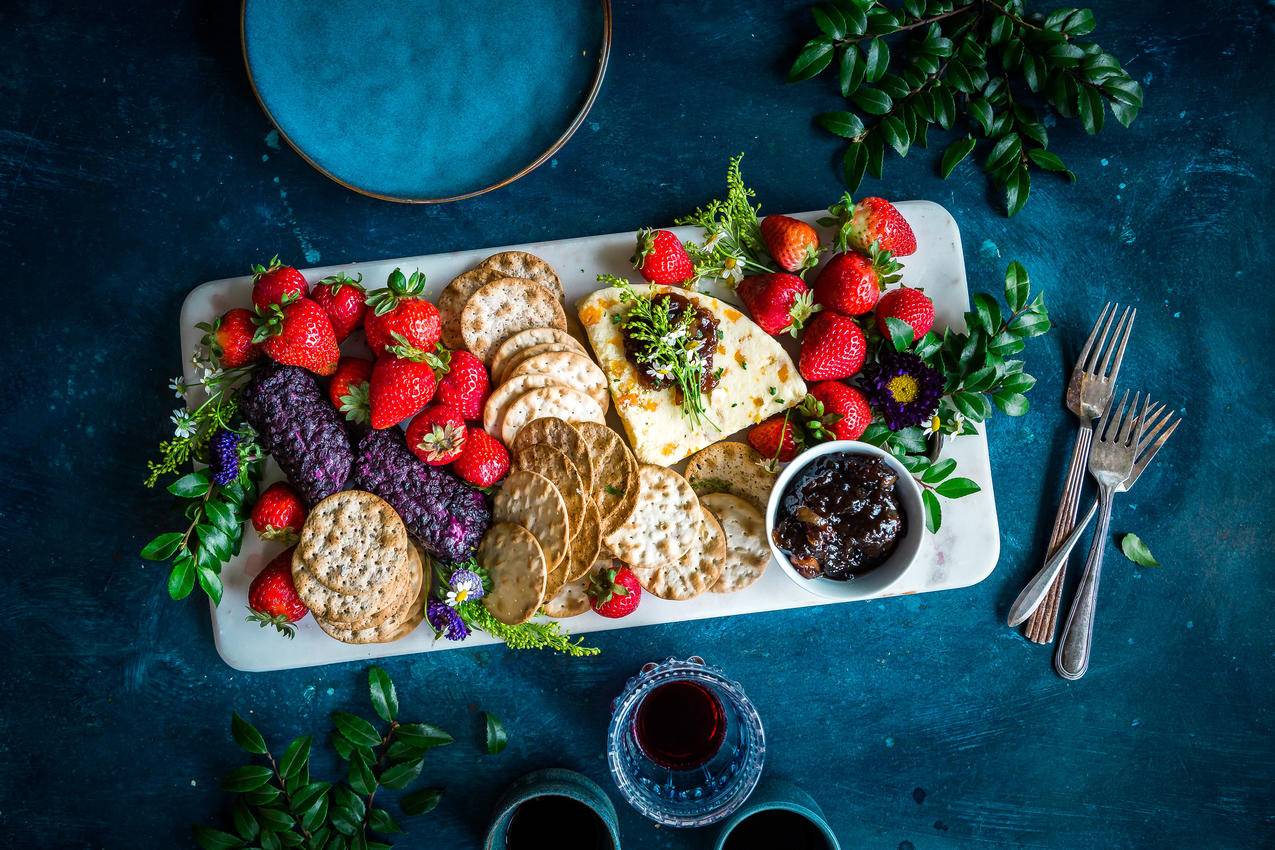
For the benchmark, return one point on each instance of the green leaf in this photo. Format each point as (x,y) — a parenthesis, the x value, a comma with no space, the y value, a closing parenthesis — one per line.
(914,8)
(380,821)
(191,486)
(420,802)
(496,738)
(245,824)
(270,841)
(856,20)
(1017,286)
(955,152)
(275,820)
(1017,189)
(981,111)
(955,488)
(263,796)
(830,20)
(247,778)
(348,806)
(872,101)
(422,735)
(1135,550)
(1002,29)
(246,735)
(315,812)
(295,757)
(360,775)
(1089,105)
(989,312)
(384,697)
(938,471)
(900,333)
(928,345)
(970,405)
(933,513)
(980,380)
(876,59)
(214,839)
(844,124)
(1019,382)
(850,70)
(214,540)
(895,134)
(181,579)
(814,57)
(876,154)
(401,775)
(1005,151)
(210,582)
(355,728)
(854,164)
(222,516)
(1011,403)
(162,547)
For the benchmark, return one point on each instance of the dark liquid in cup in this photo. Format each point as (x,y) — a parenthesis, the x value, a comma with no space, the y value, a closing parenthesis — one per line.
(776,828)
(572,825)
(680,725)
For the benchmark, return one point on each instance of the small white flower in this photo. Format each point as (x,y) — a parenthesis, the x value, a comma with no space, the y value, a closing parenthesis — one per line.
(933,426)
(711,242)
(178,386)
(183,423)
(732,270)
(455,597)
(674,336)
(662,371)
(211,376)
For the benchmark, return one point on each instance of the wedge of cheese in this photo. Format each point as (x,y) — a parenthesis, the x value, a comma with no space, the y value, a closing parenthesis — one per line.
(758,380)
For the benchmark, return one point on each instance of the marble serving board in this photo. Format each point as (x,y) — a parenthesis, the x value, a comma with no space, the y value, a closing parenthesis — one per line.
(963,552)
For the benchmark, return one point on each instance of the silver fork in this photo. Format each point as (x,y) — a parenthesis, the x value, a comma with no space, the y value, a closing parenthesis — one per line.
(1111,464)
(1034,593)
(1088,394)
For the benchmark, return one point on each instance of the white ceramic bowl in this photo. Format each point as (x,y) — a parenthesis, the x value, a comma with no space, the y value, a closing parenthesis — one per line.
(876,581)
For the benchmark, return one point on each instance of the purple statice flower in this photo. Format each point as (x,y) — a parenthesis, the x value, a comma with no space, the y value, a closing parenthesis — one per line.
(463,585)
(902,389)
(446,622)
(223,457)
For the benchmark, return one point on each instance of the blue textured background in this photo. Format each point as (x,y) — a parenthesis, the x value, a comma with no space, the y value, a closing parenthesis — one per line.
(135,164)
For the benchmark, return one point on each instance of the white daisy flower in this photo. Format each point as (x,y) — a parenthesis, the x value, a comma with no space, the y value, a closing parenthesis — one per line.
(732,270)
(711,242)
(183,423)
(178,386)
(933,426)
(211,376)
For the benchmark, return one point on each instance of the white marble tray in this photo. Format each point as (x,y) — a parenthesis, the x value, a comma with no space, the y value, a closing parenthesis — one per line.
(964,551)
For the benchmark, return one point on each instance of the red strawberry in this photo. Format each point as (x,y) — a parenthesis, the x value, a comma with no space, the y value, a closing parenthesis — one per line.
(401,309)
(834,347)
(911,305)
(272,283)
(794,244)
(437,435)
(465,385)
(852,282)
(278,513)
(840,412)
(348,390)
(341,297)
(872,220)
(776,439)
(615,592)
(780,303)
(298,333)
(229,339)
(272,597)
(484,460)
(402,383)
(661,257)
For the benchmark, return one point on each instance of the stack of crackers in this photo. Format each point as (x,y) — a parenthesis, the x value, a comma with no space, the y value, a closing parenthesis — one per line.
(505,293)
(357,571)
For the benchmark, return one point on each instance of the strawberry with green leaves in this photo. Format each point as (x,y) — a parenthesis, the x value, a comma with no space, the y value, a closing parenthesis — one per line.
(229,339)
(437,435)
(279,514)
(835,411)
(852,282)
(273,283)
(777,439)
(833,348)
(402,383)
(465,385)
(871,221)
(273,599)
(297,332)
(400,308)
(342,298)
(614,592)
(484,460)
(661,258)
(348,389)
(793,244)
(779,303)
(910,306)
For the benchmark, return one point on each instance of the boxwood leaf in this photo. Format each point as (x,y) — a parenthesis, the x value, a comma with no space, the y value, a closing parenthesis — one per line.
(246,735)
(274,820)
(295,757)
(422,735)
(384,697)
(245,823)
(955,488)
(876,58)
(181,579)
(1135,550)
(401,775)
(872,101)
(955,153)
(381,821)
(360,775)
(247,778)
(900,333)
(496,738)
(420,802)
(191,486)
(938,471)
(162,547)
(933,513)
(210,582)
(814,57)
(854,164)
(844,124)
(358,730)
(850,70)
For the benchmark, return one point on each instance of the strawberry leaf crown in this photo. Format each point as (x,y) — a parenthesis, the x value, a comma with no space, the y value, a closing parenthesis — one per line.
(603,587)
(209,339)
(841,216)
(887,268)
(645,245)
(269,319)
(442,439)
(404,350)
(336,282)
(355,404)
(397,288)
(816,421)
(258,270)
(803,307)
(279,621)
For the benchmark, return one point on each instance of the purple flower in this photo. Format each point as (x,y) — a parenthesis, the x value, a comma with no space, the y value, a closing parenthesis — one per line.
(902,389)
(223,457)
(464,586)
(446,622)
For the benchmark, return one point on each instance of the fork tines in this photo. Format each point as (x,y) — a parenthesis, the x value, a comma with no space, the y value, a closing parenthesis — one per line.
(1089,355)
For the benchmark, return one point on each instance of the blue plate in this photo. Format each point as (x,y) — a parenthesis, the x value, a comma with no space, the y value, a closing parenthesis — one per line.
(426,101)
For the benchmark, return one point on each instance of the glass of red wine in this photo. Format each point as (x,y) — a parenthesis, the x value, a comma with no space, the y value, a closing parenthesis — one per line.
(685,745)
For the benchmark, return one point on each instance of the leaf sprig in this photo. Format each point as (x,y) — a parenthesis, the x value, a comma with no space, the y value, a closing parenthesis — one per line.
(733,244)
(987,64)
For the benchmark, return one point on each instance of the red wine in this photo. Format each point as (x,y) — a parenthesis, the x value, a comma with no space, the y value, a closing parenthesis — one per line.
(774,828)
(572,824)
(680,725)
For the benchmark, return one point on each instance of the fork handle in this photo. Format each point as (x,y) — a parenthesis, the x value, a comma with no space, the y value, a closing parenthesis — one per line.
(1034,593)
(1071,660)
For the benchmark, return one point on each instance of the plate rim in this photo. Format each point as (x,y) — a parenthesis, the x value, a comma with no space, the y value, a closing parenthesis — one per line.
(594,87)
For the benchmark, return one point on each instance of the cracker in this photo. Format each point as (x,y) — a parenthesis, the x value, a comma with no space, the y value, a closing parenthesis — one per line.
(615,474)
(451,303)
(665,523)
(349,609)
(503,307)
(571,368)
(531,500)
(573,599)
(524,265)
(505,394)
(563,402)
(507,369)
(694,572)
(561,472)
(747,550)
(734,468)
(586,544)
(523,340)
(516,564)
(563,436)
(352,542)
(400,624)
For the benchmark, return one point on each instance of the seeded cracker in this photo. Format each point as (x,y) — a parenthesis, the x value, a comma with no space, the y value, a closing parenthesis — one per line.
(510,364)
(562,402)
(747,551)
(523,340)
(352,542)
(400,624)
(348,609)
(694,572)
(573,599)
(522,264)
(586,545)
(571,368)
(615,474)
(451,303)
(561,472)
(664,525)
(502,308)
(531,500)
(734,468)
(508,392)
(563,436)
(514,561)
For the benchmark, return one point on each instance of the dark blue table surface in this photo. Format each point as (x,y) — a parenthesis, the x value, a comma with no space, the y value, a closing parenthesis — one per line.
(135,164)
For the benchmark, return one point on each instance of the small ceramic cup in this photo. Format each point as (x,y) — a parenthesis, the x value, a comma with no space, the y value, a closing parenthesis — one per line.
(774,794)
(553,781)
(875,582)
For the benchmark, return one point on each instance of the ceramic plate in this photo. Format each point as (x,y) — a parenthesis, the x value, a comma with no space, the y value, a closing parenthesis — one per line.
(426,101)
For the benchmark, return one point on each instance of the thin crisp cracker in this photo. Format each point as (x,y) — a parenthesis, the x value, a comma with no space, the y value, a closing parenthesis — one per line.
(747,552)
(352,542)
(571,368)
(564,437)
(558,468)
(516,565)
(523,340)
(615,476)
(694,572)
(505,394)
(507,368)
(355,610)
(665,523)
(586,542)
(503,307)
(403,621)
(563,402)
(573,599)
(451,303)
(731,467)
(524,265)
(531,500)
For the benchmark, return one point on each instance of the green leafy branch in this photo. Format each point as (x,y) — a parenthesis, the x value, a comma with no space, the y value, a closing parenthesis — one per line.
(986,63)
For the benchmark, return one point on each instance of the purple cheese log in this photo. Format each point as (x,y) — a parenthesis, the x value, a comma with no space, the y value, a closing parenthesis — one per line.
(443,514)
(300,429)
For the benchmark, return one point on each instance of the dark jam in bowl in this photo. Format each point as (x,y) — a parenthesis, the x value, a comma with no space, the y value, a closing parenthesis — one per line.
(840,517)
(703,330)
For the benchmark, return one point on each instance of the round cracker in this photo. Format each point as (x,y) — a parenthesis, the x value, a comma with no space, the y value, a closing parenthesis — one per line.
(451,303)
(615,474)
(586,545)
(524,265)
(503,307)
(694,572)
(563,436)
(514,361)
(747,552)
(561,472)
(352,542)
(531,500)
(523,340)
(505,394)
(731,467)
(516,565)
(400,624)
(349,609)
(573,599)
(563,402)
(570,367)
(665,523)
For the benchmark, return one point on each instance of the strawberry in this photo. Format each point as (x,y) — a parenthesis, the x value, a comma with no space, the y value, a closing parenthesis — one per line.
(614,592)
(794,244)
(836,412)
(278,513)
(661,257)
(401,308)
(484,460)
(403,382)
(229,339)
(776,439)
(834,347)
(852,282)
(780,303)
(872,221)
(911,306)
(298,333)
(437,435)
(272,597)
(349,386)
(465,385)
(341,297)
(272,283)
